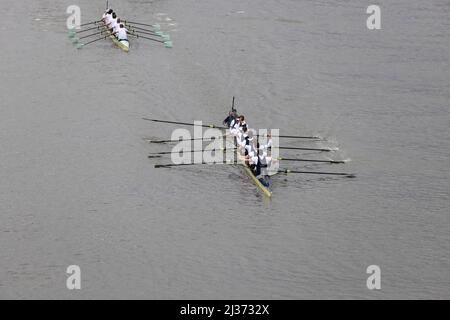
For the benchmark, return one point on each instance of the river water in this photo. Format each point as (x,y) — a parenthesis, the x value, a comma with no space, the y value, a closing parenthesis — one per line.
(77,188)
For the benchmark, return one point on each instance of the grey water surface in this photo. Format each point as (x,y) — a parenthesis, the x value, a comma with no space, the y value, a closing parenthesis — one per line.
(77,188)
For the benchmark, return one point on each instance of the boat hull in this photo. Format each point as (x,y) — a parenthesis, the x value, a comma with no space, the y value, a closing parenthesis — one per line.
(125,46)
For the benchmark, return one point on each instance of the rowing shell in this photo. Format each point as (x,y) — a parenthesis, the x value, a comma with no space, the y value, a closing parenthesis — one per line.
(124,45)
(261,187)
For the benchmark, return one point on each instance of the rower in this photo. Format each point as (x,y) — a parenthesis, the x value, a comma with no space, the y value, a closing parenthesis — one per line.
(264,158)
(121,34)
(107,13)
(116,26)
(254,163)
(249,143)
(242,122)
(238,125)
(112,21)
(108,17)
(241,137)
(234,126)
(266,146)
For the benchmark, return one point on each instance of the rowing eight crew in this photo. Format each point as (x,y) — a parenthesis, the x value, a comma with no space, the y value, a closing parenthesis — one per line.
(114,25)
(256,154)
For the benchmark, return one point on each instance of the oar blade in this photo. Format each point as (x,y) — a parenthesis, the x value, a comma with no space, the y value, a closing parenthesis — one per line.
(168,44)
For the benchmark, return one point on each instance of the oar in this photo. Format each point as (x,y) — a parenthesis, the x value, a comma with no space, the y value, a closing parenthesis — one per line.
(88,23)
(308,149)
(134,28)
(207,126)
(183,123)
(81,45)
(137,29)
(190,164)
(155,26)
(302,137)
(176,141)
(73,33)
(311,160)
(166,37)
(76,40)
(167,43)
(158,154)
(182,140)
(348,175)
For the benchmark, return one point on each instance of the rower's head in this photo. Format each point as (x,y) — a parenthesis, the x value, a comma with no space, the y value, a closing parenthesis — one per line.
(241,118)
(244,129)
(110,11)
(114,15)
(121,26)
(118,20)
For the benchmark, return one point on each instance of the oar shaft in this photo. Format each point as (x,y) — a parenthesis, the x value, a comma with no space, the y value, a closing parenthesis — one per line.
(82,31)
(100,32)
(88,23)
(134,28)
(350,175)
(139,36)
(183,140)
(85,44)
(190,164)
(311,160)
(183,123)
(141,24)
(301,137)
(192,151)
(305,149)
(93,28)
(143,32)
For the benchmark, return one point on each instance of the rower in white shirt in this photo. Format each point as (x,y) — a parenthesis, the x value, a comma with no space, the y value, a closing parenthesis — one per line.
(250,146)
(242,137)
(235,125)
(267,146)
(107,13)
(115,26)
(108,17)
(254,162)
(121,33)
(111,22)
